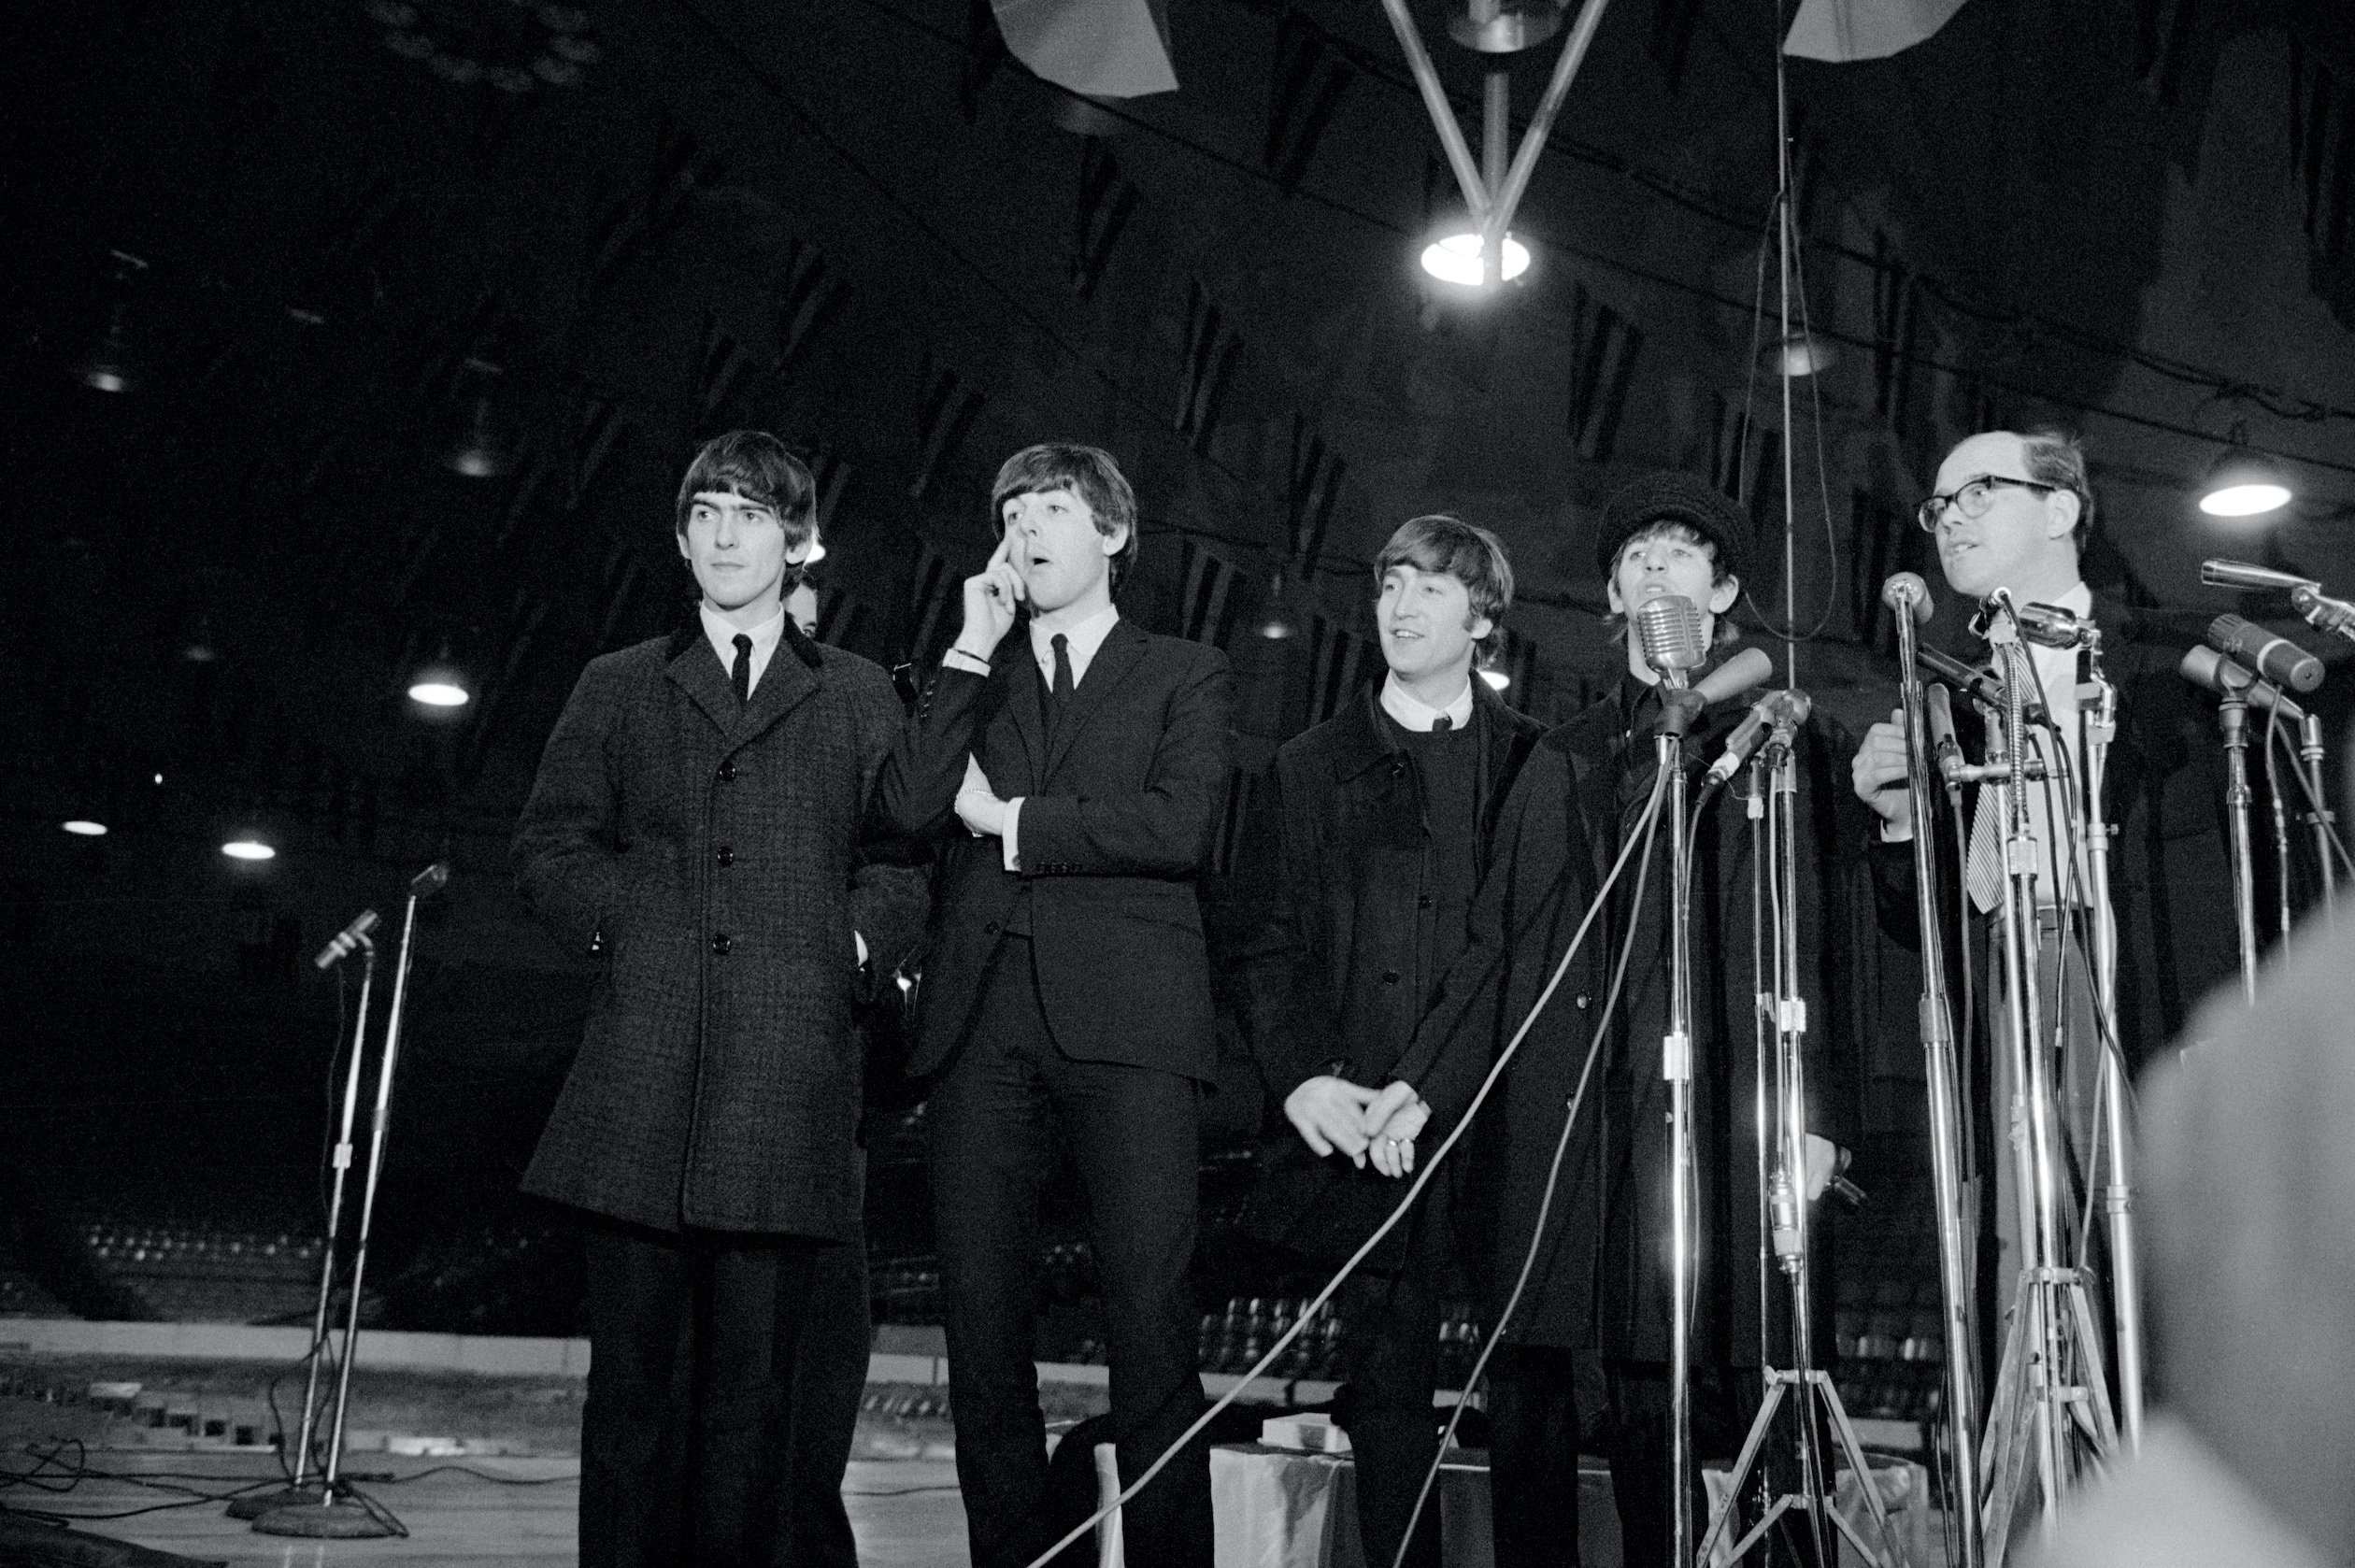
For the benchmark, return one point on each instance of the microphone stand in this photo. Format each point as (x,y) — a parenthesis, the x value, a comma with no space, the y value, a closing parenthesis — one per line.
(342,1511)
(2098,723)
(2038,1385)
(303,1487)
(1680,707)
(2232,718)
(1937,1015)
(2321,817)
(1785,1201)
(2279,811)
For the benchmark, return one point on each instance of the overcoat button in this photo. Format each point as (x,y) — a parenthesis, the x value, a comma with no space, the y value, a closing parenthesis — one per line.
(720,942)
(1389,977)
(990,930)
(727,773)
(724,855)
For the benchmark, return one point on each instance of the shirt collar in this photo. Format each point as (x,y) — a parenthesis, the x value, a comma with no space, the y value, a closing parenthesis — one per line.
(1414,714)
(723,631)
(1081,642)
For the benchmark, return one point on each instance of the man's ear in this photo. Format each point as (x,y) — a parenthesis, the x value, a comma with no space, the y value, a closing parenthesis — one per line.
(1611,594)
(2062,508)
(1116,540)
(1481,627)
(684,553)
(1723,594)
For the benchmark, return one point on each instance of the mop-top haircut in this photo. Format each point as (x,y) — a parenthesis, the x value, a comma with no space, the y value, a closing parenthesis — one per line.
(1089,473)
(756,465)
(1443,544)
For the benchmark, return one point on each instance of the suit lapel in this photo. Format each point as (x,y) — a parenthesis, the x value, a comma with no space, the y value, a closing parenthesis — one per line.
(1018,673)
(695,668)
(1124,646)
(784,686)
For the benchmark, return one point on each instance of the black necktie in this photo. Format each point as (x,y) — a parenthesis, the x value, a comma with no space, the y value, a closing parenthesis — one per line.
(741,673)
(1063,682)
(1442,724)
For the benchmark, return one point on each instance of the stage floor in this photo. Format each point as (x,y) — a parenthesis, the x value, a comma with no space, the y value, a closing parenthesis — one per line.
(906,1512)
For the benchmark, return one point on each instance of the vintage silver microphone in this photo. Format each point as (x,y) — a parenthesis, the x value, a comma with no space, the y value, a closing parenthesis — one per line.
(1669,629)
(2054,627)
(2322,612)
(2212,670)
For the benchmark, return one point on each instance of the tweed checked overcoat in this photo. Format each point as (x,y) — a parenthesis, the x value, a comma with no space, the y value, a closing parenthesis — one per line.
(713,855)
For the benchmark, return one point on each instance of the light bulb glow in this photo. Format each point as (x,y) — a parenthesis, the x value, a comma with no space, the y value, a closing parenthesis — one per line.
(1457,259)
(2244,501)
(247,849)
(438,693)
(83,827)
(1497,679)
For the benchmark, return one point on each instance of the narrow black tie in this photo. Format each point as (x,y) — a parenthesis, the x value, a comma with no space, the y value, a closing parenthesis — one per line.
(741,673)
(1442,724)
(1063,682)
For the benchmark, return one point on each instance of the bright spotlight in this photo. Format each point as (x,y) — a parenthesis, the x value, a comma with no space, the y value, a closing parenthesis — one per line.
(247,849)
(1457,259)
(83,827)
(2243,482)
(439,693)
(1497,679)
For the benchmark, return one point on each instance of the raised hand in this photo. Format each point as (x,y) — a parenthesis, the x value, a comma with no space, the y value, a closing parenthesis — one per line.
(1879,773)
(990,595)
(1329,1114)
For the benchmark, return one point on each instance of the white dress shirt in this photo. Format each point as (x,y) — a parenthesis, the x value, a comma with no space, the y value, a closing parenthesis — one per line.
(723,631)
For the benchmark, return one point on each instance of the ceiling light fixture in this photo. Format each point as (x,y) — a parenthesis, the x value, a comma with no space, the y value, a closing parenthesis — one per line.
(247,847)
(2243,481)
(1460,259)
(83,827)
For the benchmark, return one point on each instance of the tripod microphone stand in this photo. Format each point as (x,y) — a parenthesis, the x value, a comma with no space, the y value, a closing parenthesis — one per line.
(1784,1195)
(2050,1382)
(2319,817)
(304,1487)
(336,1508)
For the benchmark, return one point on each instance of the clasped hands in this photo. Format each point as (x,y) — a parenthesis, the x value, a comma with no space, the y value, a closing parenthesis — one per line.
(1335,1116)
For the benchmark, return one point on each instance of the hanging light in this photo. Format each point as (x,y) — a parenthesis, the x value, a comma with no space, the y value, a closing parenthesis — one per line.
(1504,27)
(1800,354)
(441,683)
(248,846)
(2243,481)
(1276,623)
(111,365)
(84,827)
(1497,679)
(1457,257)
(484,447)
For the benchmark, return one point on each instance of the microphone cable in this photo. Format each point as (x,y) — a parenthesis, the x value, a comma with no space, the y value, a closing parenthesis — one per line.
(1422,1179)
(1553,1177)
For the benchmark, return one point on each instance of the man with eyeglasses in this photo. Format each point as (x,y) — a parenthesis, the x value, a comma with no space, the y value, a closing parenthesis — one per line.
(2012,510)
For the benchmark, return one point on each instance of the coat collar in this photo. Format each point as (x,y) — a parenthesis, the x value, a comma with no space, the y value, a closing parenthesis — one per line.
(691,665)
(1365,738)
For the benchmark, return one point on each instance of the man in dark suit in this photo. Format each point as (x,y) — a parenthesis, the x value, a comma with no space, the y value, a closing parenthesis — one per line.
(696,821)
(1385,813)
(1073,772)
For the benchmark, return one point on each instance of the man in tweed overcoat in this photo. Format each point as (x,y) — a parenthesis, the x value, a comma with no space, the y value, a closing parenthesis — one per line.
(696,823)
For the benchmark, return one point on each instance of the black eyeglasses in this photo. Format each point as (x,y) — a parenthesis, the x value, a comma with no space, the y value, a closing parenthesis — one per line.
(1972,498)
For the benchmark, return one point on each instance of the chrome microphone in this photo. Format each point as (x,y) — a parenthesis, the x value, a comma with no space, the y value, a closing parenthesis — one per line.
(431,880)
(1907,594)
(1750,667)
(1668,629)
(1773,711)
(2277,659)
(2211,671)
(2219,573)
(2054,627)
(346,941)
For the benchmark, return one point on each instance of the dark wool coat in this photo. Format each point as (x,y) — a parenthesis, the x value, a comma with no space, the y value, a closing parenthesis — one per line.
(1602,1279)
(1118,807)
(712,855)
(1352,955)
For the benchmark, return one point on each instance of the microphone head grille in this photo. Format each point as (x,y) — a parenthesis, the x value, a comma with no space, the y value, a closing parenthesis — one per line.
(1905,592)
(1668,629)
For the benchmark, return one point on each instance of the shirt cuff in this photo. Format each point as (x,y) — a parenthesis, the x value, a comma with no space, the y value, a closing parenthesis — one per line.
(1010,839)
(958,659)
(1891,833)
(861,945)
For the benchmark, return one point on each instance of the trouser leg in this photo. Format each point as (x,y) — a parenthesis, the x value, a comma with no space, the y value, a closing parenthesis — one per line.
(1390,1357)
(635,1422)
(1534,1456)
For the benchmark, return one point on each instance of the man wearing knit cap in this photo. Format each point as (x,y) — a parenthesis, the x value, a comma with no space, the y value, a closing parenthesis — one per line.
(1599,1282)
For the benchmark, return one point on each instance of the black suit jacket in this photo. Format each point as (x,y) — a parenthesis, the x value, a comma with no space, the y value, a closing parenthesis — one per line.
(1118,810)
(713,855)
